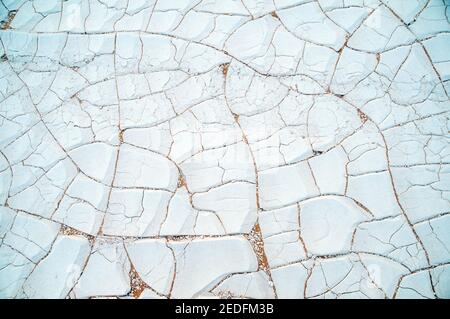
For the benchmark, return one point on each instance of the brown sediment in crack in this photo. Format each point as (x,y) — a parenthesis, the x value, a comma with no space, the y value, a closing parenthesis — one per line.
(181,181)
(174,277)
(6,24)
(362,116)
(362,206)
(226,295)
(69,231)
(224,68)
(403,212)
(100,231)
(136,283)
(274,14)
(256,240)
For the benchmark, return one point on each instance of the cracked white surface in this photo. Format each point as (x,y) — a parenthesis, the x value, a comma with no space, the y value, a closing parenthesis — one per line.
(232,149)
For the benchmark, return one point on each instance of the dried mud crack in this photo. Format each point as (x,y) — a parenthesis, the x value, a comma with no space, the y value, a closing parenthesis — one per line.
(237,149)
